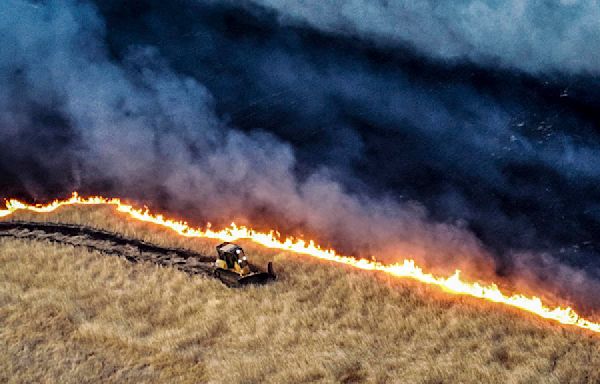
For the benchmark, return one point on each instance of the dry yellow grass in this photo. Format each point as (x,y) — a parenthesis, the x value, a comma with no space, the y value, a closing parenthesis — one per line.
(70,315)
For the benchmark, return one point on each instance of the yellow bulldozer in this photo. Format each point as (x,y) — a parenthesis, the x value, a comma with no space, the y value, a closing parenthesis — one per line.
(232,266)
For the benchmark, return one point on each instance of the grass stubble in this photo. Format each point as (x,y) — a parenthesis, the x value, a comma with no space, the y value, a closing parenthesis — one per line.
(69,315)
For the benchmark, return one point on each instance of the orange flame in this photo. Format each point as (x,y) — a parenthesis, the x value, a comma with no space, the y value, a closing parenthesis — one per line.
(406,269)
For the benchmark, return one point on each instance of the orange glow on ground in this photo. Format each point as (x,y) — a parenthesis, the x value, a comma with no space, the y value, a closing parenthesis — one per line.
(405,269)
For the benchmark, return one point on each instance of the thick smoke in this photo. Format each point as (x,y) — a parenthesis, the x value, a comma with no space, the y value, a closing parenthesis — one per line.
(534,36)
(139,126)
(222,118)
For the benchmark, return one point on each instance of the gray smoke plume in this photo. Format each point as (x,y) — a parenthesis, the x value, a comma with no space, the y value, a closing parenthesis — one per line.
(141,126)
(533,36)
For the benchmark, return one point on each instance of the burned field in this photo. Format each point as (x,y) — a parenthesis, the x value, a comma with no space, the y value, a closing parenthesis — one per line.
(72,313)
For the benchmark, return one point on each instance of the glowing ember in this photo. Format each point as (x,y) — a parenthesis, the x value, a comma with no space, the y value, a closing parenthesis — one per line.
(405,269)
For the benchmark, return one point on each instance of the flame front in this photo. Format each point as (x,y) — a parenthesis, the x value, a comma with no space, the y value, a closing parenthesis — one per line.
(406,269)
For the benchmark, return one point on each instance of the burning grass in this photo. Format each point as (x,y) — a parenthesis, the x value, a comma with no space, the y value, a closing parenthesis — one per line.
(69,315)
(405,269)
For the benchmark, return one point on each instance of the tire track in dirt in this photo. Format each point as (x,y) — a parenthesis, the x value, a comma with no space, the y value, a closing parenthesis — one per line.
(110,243)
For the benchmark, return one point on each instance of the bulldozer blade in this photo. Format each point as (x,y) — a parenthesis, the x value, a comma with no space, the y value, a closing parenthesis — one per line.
(257,278)
(260,277)
(270,269)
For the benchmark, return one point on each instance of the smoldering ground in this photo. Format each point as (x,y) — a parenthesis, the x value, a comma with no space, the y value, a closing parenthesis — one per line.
(372,144)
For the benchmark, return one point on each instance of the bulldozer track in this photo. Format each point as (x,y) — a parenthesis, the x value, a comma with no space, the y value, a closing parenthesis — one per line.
(110,243)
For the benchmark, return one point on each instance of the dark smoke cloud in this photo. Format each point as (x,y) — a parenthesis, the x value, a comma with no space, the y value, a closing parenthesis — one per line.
(137,124)
(220,113)
(533,36)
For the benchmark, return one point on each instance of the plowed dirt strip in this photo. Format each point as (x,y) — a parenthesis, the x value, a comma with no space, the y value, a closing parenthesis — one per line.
(110,243)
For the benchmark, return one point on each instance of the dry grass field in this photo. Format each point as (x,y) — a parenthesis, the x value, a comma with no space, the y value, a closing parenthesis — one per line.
(68,315)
